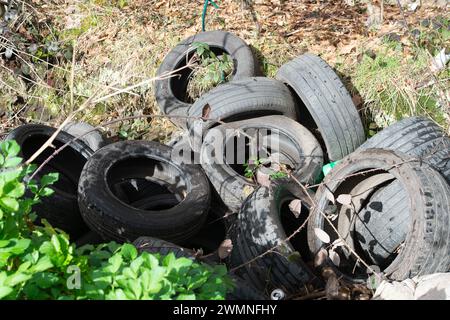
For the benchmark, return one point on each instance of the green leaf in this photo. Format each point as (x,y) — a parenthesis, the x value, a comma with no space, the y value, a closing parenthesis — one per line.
(19,246)
(136,288)
(10,204)
(46,280)
(17,278)
(14,190)
(44,263)
(118,294)
(4,243)
(24,266)
(33,187)
(12,162)
(115,263)
(136,264)
(10,147)
(150,261)
(186,297)
(55,242)
(49,179)
(145,279)
(156,277)
(101,279)
(46,192)
(129,252)
(4,291)
(179,263)
(11,175)
(129,273)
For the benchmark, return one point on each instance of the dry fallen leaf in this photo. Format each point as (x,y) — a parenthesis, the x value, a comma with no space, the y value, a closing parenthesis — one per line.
(332,287)
(206,111)
(345,199)
(347,48)
(322,235)
(338,243)
(262,178)
(357,100)
(334,257)
(320,257)
(296,207)
(225,248)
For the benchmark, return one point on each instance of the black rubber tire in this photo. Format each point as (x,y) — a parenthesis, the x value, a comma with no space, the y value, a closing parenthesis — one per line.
(427,245)
(323,96)
(169,92)
(211,235)
(116,220)
(416,136)
(244,99)
(383,223)
(244,290)
(92,137)
(156,201)
(361,195)
(259,229)
(298,145)
(89,238)
(155,245)
(60,209)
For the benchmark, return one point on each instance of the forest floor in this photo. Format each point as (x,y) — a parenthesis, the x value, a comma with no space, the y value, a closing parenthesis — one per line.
(56,54)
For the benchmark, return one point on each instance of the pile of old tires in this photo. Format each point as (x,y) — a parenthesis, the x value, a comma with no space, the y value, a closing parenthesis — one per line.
(387,199)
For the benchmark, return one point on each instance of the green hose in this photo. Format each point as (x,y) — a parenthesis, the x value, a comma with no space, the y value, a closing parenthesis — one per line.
(205,8)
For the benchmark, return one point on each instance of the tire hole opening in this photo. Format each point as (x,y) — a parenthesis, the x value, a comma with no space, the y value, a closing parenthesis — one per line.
(147,184)
(290,224)
(190,83)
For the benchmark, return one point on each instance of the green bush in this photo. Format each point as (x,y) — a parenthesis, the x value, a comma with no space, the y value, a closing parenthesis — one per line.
(39,262)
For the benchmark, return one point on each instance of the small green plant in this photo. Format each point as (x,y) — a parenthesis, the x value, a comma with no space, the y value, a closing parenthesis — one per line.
(40,262)
(278,175)
(252,165)
(128,275)
(212,71)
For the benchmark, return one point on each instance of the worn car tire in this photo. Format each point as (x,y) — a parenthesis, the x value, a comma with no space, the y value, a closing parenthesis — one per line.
(259,228)
(60,209)
(92,137)
(116,220)
(89,238)
(296,144)
(324,106)
(241,100)
(416,136)
(383,223)
(155,245)
(427,244)
(244,290)
(170,93)
(213,232)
